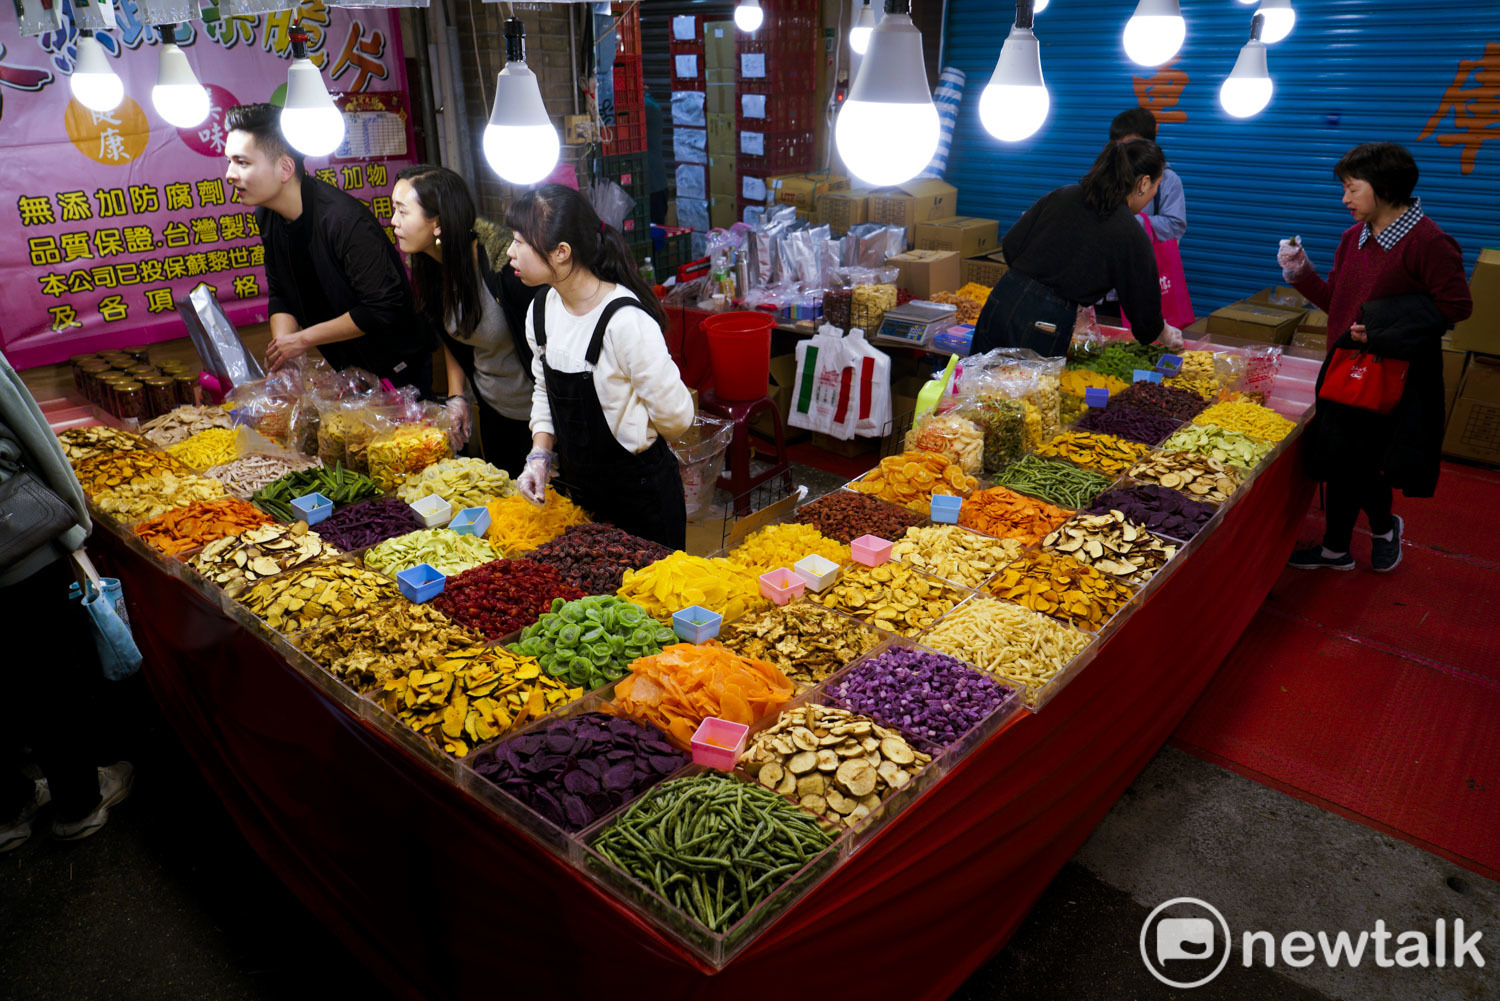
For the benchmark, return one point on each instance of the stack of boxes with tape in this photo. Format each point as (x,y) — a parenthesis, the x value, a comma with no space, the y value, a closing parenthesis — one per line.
(1471,369)
(690,136)
(1275,315)
(773,130)
(623,153)
(722,106)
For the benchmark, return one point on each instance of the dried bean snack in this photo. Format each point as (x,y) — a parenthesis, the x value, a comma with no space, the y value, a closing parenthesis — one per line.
(82,444)
(593,557)
(1055,482)
(207,449)
(367,651)
(926,694)
(239,561)
(592,641)
(502,596)
(844,516)
(740,843)
(1154,398)
(1062,587)
(1134,425)
(318,594)
(519,526)
(577,768)
(443,549)
(1247,418)
(1006,514)
(954,553)
(356,526)
(245,475)
(1227,446)
(463,482)
(776,546)
(832,761)
(1009,641)
(1103,453)
(1198,476)
(806,641)
(149,496)
(340,485)
(184,528)
(1113,544)
(679,580)
(686,683)
(911,478)
(1163,511)
(1121,360)
(892,596)
(106,472)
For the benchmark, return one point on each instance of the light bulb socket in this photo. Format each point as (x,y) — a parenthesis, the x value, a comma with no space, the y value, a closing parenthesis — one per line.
(515,40)
(168,33)
(1025,13)
(898,7)
(1257,26)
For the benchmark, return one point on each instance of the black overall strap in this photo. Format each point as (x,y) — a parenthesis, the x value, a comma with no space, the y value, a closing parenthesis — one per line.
(539,317)
(596,344)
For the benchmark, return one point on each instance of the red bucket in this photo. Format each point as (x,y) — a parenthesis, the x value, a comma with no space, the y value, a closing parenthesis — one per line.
(739,348)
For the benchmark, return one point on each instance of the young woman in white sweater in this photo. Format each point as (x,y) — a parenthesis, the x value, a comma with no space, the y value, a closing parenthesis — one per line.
(608,395)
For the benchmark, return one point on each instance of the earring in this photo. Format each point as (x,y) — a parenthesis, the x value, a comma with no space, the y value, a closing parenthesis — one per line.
(437,241)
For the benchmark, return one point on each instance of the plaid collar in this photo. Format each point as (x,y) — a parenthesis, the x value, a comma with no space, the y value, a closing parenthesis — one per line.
(1392,234)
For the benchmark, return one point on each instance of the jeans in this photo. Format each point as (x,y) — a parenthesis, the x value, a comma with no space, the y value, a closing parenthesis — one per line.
(1015,306)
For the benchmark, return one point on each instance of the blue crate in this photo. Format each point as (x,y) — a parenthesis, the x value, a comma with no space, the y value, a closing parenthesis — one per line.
(420,583)
(696,624)
(313,507)
(471,521)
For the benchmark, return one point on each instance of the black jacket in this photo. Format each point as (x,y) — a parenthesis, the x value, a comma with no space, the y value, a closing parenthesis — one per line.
(359,272)
(1405,444)
(509,291)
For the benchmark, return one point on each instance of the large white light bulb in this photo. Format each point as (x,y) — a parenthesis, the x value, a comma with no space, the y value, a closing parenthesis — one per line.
(520,142)
(309,120)
(864,23)
(1015,103)
(748,15)
(178,96)
(888,128)
(1280,17)
(94,82)
(1040,6)
(1247,89)
(1154,32)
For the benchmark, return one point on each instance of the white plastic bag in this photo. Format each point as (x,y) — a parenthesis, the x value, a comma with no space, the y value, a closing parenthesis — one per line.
(872,385)
(823,395)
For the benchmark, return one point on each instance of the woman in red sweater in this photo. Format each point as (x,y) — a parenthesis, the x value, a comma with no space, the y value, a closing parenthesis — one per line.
(1396,286)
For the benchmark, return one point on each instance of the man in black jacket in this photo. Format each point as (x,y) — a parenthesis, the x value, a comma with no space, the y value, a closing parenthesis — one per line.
(335,281)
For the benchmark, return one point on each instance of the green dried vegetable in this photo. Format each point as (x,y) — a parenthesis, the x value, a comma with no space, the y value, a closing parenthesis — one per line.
(340,485)
(592,641)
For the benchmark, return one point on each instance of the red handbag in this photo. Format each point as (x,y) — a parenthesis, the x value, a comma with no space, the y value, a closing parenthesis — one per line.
(1363,380)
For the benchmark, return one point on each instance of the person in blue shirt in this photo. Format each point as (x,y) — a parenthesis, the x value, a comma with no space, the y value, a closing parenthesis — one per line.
(1168,210)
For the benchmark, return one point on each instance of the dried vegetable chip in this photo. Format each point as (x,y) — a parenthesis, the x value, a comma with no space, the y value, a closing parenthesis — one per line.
(247,474)
(1111,543)
(672,584)
(1103,453)
(1006,514)
(928,695)
(473,696)
(1004,426)
(519,526)
(1077,382)
(502,596)
(1197,476)
(340,485)
(576,769)
(368,651)
(150,496)
(775,546)
(315,595)
(832,761)
(199,523)
(1121,360)
(207,449)
(956,438)
(184,422)
(1163,511)
(1198,375)
(403,450)
(594,557)
(591,641)
(1009,641)
(844,516)
(1247,418)
(239,561)
(356,526)
(444,550)
(1056,482)
(106,472)
(954,553)
(463,482)
(82,444)
(1062,587)
(911,478)
(684,684)
(1230,447)
(1125,422)
(807,642)
(740,843)
(892,596)
(1155,398)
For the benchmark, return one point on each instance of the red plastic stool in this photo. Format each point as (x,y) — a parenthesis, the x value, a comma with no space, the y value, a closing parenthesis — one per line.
(736,476)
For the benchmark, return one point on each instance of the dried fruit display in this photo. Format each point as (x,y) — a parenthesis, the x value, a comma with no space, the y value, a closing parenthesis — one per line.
(806,641)
(672,584)
(932,697)
(1006,514)
(911,478)
(954,553)
(1009,641)
(593,557)
(82,444)
(1063,588)
(844,516)
(592,641)
(1247,418)
(185,528)
(445,550)
(684,684)
(104,473)
(206,449)
(184,422)
(239,561)
(775,546)
(149,496)
(315,595)
(502,596)
(1113,544)
(1198,476)
(247,474)
(518,526)
(367,651)
(891,596)
(463,482)
(1162,510)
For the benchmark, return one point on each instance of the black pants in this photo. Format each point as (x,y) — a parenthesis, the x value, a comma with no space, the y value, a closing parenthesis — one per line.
(53,695)
(505,441)
(1346,498)
(1011,314)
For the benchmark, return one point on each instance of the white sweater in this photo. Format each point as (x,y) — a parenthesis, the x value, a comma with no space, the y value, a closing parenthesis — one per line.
(639,387)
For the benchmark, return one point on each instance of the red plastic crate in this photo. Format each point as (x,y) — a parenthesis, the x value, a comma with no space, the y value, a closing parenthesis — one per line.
(628,30)
(628,134)
(788,108)
(685,83)
(789,26)
(785,153)
(695,44)
(630,89)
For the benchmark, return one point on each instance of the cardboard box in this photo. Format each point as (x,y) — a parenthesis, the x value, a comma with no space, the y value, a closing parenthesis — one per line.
(1481,331)
(924,272)
(842,209)
(1198,326)
(715,75)
(722,178)
(852,448)
(1474,426)
(1315,322)
(1453,374)
(723,210)
(969,236)
(718,45)
(986,270)
(802,190)
(1282,297)
(721,135)
(779,389)
(1255,321)
(1313,341)
(720,100)
(915,201)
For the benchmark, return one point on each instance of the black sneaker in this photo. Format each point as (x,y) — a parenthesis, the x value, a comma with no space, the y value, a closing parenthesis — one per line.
(1312,558)
(1385,554)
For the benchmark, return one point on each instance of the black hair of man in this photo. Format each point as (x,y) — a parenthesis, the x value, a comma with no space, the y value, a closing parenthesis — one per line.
(1134,122)
(1387,168)
(263,121)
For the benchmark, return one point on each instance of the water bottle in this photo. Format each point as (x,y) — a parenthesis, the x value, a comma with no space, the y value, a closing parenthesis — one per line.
(648,272)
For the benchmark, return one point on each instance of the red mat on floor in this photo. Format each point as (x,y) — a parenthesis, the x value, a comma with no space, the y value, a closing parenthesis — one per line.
(1378,696)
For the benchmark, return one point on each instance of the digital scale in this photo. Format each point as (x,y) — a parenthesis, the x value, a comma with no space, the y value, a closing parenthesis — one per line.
(916,322)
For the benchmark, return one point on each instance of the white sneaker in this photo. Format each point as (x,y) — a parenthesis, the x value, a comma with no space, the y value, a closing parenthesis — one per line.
(15,834)
(115,783)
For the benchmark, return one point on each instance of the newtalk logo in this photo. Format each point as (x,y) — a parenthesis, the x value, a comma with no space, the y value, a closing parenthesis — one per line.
(1191,946)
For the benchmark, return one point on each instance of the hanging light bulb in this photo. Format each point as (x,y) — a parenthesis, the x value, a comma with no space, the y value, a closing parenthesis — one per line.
(888,128)
(309,121)
(748,15)
(864,23)
(1015,103)
(94,82)
(178,96)
(1247,89)
(1154,32)
(519,142)
(1279,17)
(1041,5)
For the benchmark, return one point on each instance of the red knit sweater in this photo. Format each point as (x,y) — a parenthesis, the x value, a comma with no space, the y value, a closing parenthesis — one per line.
(1425,260)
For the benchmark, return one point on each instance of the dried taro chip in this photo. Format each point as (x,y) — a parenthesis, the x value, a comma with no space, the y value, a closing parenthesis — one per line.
(559,741)
(619,776)
(577,813)
(665,763)
(580,783)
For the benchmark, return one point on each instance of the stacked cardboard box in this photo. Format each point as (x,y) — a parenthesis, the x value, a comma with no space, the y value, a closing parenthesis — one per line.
(917,201)
(1474,425)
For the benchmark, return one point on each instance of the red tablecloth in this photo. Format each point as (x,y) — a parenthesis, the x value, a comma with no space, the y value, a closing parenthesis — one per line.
(443,898)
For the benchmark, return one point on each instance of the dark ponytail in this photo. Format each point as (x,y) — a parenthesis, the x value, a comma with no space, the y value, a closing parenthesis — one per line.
(450,287)
(555,213)
(1110,180)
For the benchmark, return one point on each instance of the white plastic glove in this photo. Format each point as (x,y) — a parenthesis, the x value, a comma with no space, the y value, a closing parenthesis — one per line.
(1293,260)
(533,479)
(458,409)
(1170,337)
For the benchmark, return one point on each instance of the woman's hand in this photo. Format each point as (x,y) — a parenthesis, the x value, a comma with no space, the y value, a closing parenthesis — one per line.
(1293,260)
(533,478)
(458,409)
(284,347)
(1357,332)
(1170,337)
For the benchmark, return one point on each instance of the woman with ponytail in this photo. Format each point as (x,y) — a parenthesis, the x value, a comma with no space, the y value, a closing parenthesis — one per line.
(608,395)
(466,288)
(1074,245)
